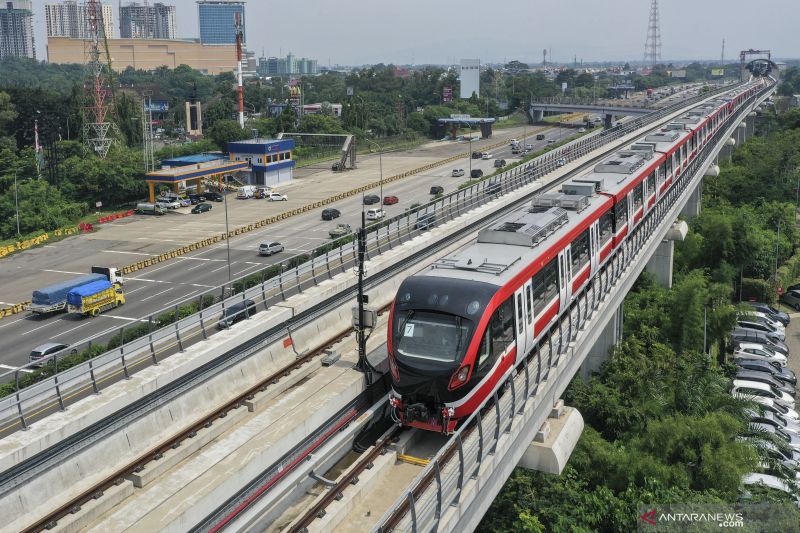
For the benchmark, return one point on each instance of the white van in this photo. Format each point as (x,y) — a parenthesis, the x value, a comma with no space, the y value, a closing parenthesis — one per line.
(375,214)
(747,389)
(248,191)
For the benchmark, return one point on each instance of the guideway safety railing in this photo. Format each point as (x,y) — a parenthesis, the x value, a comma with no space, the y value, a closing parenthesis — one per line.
(459,460)
(273,284)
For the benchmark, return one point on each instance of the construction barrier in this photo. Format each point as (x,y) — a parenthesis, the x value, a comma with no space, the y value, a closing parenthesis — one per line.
(35,241)
(14,309)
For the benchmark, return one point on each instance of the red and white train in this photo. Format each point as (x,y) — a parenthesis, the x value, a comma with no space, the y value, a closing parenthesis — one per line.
(459,327)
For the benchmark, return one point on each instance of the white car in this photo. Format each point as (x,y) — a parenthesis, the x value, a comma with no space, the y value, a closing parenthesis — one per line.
(512,142)
(375,214)
(168,204)
(458,172)
(486,155)
(277,197)
(269,248)
(746,390)
(748,350)
(581,130)
(767,404)
(764,318)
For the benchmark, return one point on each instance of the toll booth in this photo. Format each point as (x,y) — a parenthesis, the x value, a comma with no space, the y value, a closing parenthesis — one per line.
(189,172)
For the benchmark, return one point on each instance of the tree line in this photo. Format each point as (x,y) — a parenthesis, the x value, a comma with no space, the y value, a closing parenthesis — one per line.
(660,424)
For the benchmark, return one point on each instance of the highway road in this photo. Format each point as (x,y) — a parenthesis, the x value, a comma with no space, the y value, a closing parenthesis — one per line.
(171,282)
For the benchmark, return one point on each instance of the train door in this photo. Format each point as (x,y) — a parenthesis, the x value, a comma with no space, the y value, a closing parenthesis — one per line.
(521,322)
(564,278)
(631,211)
(594,247)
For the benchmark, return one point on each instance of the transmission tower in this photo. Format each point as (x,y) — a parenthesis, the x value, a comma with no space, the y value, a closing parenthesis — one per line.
(652,46)
(97,128)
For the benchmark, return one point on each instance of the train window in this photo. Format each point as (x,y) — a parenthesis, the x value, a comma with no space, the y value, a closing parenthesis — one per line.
(530,304)
(485,348)
(620,213)
(637,197)
(502,326)
(433,336)
(651,183)
(678,158)
(665,169)
(545,286)
(683,152)
(520,322)
(606,227)
(580,252)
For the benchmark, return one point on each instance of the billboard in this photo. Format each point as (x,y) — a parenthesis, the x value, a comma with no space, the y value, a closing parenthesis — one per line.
(718,72)
(447,94)
(678,73)
(157,106)
(470,78)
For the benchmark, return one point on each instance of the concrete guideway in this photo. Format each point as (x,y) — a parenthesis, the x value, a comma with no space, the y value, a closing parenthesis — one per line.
(466,483)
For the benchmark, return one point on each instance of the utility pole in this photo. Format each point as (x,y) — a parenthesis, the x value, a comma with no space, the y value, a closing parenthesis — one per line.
(239,88)
(16,202)
(365,318)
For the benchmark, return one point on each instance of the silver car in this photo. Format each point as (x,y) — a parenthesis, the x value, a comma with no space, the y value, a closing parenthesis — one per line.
(792,299)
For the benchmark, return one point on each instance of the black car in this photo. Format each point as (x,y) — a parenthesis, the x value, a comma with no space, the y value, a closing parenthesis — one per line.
(476,155)
(770,311)
(777,371)
(201,208)
(476,173)
(425,221)
(436,189)
(236,313)
(330,214)
(499,163)
(372,199)
(213,196)
(196,198)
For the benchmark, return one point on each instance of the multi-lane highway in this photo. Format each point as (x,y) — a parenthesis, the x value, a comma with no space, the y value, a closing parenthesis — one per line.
(169,283)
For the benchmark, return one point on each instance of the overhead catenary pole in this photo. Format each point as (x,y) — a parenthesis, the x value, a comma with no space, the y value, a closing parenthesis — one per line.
(240,88)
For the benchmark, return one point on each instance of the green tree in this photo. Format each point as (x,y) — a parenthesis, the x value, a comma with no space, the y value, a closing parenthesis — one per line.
(227,131)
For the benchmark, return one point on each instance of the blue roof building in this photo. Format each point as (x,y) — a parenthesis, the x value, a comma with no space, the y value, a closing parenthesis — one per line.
(270,160)
(193,159)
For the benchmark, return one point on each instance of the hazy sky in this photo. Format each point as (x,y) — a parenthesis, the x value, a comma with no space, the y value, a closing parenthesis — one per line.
(431,31)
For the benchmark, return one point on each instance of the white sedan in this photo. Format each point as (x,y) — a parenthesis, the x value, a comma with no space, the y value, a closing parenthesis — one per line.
(168,204)
(486,155)
(747,350)
(277,197)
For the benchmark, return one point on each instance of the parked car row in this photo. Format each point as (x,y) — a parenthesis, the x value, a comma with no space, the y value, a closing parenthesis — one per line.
(760,355)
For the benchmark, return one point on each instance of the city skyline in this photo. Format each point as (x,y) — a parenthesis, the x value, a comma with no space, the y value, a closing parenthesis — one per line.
(421,32)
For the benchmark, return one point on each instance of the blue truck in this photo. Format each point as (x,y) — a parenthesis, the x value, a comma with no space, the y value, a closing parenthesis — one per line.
(53,298)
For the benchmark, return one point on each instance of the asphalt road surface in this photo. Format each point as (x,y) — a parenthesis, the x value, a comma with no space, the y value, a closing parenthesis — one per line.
(171,282)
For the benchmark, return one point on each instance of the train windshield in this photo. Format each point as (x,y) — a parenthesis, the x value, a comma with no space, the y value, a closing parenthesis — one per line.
(432,336)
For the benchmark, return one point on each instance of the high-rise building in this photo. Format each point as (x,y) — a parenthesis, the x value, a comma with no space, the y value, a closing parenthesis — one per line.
(16,29)
(273,66)
(217,19)
(69,19)
(147,21)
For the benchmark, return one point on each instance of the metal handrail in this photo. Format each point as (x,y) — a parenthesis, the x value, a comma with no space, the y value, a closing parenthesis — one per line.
(145,350)
(413,509)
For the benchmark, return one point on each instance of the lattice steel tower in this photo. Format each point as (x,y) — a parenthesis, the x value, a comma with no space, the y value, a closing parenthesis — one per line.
(652,46)
(98,131)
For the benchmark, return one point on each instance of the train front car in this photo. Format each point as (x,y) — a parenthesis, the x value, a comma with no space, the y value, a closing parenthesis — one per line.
(431,344)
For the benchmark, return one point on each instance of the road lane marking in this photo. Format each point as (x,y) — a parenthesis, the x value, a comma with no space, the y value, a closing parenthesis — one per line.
(128,253)
(181,298)
(201,258)
(36,329)
(76,327)
(64,272)
(9,322)
(157,294)
(7,367)
(117,317)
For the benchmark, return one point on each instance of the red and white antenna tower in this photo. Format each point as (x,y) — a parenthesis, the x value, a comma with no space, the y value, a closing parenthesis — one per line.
(97,129)
(652,46)
(240,88)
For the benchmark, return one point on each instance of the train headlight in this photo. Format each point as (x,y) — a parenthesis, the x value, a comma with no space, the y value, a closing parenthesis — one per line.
(459,378)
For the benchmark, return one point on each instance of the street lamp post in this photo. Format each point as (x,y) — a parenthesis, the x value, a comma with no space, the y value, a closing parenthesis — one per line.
(227,231)
(16,202)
